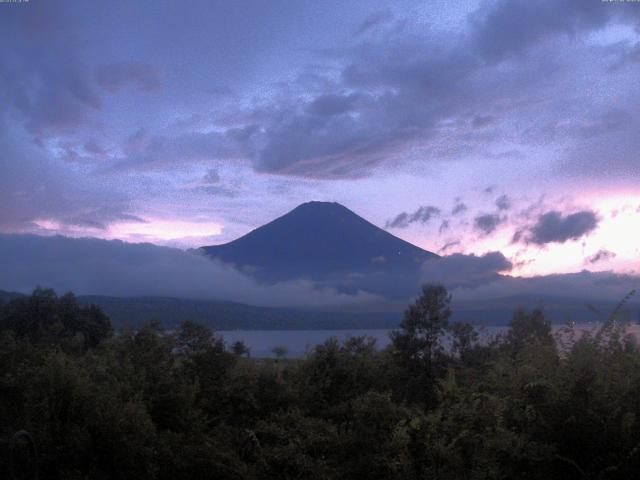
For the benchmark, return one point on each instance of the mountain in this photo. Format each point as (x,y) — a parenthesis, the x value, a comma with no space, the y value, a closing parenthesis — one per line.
(134,312)
(223,315)
(6,297)
(327,243)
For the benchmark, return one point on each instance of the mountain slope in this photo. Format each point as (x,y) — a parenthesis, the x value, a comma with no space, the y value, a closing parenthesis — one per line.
(324,242)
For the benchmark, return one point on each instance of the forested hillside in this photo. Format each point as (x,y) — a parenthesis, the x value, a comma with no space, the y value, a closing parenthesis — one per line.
(146,404)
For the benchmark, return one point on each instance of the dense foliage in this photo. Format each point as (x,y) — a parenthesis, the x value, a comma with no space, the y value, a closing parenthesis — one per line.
(183,405)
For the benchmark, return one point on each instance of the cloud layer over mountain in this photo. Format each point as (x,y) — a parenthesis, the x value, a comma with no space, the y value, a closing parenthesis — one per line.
(488,276)
(93,266)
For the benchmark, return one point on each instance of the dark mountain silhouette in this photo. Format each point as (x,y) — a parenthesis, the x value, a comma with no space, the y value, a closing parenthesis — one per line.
(327,243)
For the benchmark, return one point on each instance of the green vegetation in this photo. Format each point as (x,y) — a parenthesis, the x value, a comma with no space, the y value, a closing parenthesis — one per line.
(148,404)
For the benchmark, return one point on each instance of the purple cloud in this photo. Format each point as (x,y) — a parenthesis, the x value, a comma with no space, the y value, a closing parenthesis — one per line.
(116,76)
(554,227)
(601,256)
(488,223)
(459,270)
(421,215)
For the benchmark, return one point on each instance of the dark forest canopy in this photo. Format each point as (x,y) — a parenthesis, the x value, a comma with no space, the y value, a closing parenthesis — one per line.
(149,404)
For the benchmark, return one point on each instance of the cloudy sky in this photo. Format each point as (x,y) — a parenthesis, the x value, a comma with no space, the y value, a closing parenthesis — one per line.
(463,127)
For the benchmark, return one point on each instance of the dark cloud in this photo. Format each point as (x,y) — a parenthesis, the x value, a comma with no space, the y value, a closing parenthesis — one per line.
(100,218)
(449,245)
(32,190)
(220,191)
(629,56)
(422,215)
(331,105)
(600,255)
(380,96)
(554,227)
(444,226)
(400,221)
(459,270)
(480,121)
(459,208)
(503,202)
(92,266)
(212,184)
(405,85)
(116,76)
(220,91)
(605,145)
(511,27)
(399,92)
(211,177)
(93,147)
(375,19)
(590,286)
(488,222)
(144,151)
(43,83)
(487,277)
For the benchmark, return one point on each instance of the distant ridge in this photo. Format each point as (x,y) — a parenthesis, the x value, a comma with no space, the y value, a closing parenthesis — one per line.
(328,243)
(223,315)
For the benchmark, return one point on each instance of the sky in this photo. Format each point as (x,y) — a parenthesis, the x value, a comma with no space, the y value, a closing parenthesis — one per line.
(463,127)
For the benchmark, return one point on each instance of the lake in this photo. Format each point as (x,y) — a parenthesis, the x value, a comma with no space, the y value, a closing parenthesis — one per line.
(299,342)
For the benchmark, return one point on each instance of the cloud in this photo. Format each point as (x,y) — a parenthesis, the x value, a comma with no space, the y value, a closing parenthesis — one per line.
(418,88)
(211,177)
(92,266)
(117,76)
(374,20)
(146,151)
(331,105)
(471,277)
(487,223)
(401,95)
(480,121)
(600,256)
(422,215)
(450,244)
(510,27)
(459,208)
(220,191)
(590,286)
(459,270)
(392,90)
(100,218)
(93,147)
(43,83)
(220,91)
(503,202)
(34,189)
(554,227)
(629,56)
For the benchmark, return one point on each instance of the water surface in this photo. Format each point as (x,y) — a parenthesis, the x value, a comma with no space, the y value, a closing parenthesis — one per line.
(300,342)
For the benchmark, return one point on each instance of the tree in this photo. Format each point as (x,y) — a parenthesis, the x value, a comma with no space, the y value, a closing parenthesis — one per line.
(417,345)
(193,338)
(43,317)
(279,351)
(526,328)
(240,348)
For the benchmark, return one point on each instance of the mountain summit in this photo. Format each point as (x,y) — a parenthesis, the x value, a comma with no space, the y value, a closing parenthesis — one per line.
(327,243)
